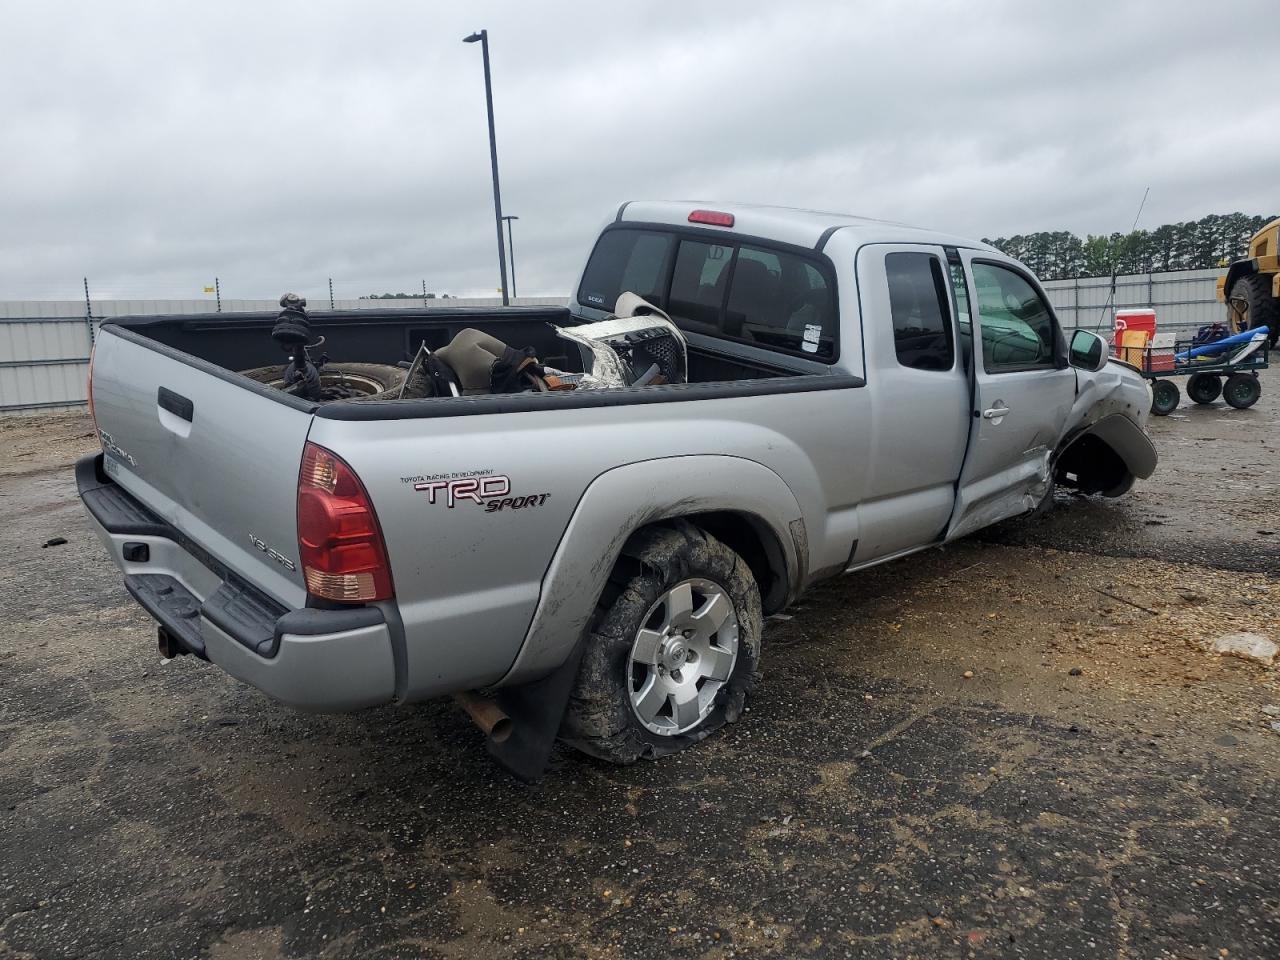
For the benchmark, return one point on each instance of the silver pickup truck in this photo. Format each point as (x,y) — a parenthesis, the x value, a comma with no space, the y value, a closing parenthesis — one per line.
(593,565)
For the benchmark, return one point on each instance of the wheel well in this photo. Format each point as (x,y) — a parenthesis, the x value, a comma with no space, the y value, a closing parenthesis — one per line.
(1090,466)
(752,540)
(1241,268)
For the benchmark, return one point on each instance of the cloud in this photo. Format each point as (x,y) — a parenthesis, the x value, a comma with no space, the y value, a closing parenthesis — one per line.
(275,145)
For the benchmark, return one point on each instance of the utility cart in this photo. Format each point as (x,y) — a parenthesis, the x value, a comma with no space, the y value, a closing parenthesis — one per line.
(1226,368)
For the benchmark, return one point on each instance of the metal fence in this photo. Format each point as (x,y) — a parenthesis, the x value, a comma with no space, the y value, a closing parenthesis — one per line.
(45,344)
(1182,299)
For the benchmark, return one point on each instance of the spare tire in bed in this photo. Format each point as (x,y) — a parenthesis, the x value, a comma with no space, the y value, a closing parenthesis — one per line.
(343,381)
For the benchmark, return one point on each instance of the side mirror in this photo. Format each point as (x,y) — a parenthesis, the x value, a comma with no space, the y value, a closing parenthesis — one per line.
(1088,351)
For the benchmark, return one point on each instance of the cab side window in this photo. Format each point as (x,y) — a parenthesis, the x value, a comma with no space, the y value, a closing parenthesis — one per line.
(920,308)
(1016,323)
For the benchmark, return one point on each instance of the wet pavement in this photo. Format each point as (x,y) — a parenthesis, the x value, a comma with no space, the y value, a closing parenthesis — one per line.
(1099,786)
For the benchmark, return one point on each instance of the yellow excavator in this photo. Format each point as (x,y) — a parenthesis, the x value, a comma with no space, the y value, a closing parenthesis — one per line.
(1251,287)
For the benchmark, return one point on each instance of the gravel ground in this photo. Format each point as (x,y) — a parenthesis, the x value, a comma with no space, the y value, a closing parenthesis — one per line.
(1012,747)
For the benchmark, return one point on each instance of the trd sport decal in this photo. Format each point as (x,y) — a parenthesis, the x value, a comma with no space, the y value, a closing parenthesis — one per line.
(490,491)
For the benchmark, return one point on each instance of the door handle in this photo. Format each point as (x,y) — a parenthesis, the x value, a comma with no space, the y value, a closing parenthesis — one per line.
(180,406)
(995,413)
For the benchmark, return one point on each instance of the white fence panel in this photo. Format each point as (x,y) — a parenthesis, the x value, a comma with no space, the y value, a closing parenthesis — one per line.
(1182,299)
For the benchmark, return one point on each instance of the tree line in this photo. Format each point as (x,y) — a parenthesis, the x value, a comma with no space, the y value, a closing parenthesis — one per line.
(1212,241)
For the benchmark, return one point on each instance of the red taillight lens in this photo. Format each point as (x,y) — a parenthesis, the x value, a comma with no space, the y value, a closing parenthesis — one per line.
(339,540)
(713,217)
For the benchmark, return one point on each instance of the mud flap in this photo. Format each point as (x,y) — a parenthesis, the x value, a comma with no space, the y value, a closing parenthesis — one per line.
(536,710)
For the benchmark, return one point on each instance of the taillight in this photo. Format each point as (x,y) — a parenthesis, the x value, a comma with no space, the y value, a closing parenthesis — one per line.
(713,217)
(339,540)
(92,416)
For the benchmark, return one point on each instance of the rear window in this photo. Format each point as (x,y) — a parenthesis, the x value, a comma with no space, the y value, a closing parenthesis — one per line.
(625,260)
(739,290)
(697,285)
(777,299)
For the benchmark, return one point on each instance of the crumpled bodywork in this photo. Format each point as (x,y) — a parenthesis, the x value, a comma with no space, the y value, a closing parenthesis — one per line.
(1006,501)
(1102,446)
(1112,404)
(1116,388)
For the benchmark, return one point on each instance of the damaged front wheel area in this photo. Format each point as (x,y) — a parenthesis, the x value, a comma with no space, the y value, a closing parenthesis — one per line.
(674,651)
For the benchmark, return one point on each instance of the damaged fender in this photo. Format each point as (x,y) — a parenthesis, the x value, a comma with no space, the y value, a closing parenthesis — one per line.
(620,502)
(1126,439)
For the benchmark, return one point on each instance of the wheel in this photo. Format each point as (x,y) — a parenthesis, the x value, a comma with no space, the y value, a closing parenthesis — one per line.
(1242,390)
(674,649)
(1251,305)
(1164,397)
(1204,387)
(343,381)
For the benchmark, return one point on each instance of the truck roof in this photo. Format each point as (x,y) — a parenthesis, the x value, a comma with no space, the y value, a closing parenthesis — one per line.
(804,228)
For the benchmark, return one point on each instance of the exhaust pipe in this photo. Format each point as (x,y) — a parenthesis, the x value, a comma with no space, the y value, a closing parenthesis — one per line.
(485,714)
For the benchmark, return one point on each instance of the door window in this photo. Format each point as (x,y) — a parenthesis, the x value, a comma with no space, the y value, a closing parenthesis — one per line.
(625,260)
(1017,325)
(918,304)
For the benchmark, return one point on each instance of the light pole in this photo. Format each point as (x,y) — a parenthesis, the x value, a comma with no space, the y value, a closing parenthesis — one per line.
(511,251)
(483,37)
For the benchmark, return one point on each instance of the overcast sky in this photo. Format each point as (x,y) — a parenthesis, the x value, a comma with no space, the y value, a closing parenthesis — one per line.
(152,146)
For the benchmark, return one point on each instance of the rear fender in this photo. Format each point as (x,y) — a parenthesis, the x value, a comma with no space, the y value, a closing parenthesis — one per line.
(620,502)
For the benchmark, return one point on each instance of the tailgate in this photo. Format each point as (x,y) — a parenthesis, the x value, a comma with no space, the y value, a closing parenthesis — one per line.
(214,458)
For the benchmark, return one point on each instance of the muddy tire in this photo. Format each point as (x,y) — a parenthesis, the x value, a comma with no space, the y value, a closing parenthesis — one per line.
(1242,390)
(366,381)
(1121,488)
(1251,305)
(1204,388)
(673,650)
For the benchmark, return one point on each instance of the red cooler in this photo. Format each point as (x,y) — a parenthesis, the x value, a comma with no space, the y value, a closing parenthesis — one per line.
(1138,318)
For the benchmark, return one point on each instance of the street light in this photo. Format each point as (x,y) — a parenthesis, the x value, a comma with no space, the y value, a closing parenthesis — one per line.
(511,251)
(483,37)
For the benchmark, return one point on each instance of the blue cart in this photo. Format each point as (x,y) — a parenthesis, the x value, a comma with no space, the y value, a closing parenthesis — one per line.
(1227,368)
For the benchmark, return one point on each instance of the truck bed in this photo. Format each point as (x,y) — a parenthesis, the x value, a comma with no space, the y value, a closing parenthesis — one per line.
(242,341)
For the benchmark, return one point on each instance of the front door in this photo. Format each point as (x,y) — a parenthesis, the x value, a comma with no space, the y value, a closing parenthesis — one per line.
(1022,395)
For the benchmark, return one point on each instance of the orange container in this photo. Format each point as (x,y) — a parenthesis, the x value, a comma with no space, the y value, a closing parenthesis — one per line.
(1133,346)
(1138,318)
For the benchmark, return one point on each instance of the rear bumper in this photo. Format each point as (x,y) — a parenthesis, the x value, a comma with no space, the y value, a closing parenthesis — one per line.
(314,659)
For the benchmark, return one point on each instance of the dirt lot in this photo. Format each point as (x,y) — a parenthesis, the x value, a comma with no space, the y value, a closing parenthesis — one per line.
(1100,786)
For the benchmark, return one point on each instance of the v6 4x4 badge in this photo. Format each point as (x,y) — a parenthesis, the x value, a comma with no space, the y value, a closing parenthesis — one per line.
(492,492)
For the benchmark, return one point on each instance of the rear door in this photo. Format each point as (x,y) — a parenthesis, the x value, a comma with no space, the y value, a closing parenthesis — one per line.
(214,458)
(920,393)
(1022,394)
